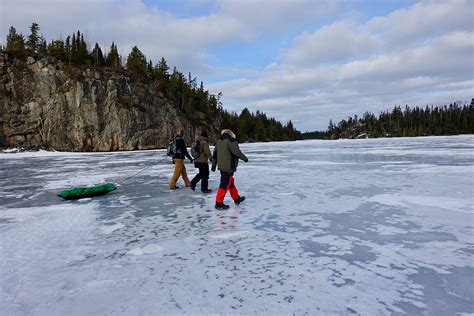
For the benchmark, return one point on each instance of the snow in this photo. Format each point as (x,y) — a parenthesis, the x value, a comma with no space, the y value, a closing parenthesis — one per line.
(367,226)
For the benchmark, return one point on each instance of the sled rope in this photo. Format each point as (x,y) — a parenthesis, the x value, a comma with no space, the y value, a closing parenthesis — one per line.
(140,171)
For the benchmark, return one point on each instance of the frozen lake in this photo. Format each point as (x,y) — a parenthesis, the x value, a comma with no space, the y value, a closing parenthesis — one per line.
(345,227)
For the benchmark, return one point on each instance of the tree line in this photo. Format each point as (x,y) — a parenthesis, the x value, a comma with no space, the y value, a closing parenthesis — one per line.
(258,127)
(196,102)
(452,119)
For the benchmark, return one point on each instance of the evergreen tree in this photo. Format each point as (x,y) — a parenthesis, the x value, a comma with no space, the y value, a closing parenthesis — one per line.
(15,41)
(34,40)
(73,57)
(67,49)
(83,54)
(136,61)
(113,58)
(444,120)
(162,68)
(97,56)
(43,47)
(150,66)
(56,49)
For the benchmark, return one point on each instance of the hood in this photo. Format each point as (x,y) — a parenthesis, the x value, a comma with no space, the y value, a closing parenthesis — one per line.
(227,132)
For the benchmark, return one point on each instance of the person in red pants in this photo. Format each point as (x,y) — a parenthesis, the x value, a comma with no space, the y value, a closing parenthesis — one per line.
(226,157)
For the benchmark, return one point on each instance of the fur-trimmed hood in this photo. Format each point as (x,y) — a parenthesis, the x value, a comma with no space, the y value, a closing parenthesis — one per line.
(228,132)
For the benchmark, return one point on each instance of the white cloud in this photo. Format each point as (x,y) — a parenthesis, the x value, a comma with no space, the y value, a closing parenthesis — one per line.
(274,15)
(424,19)
(418,55)
(415,55)
(340,41)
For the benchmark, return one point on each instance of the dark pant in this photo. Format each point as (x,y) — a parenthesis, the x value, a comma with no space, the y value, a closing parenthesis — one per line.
(202,176)
(227,184)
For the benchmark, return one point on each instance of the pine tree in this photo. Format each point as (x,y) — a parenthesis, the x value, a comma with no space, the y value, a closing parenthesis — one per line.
(150,66)
(34,40)
(136,61)
(11,38)
(73,57)
(56,49)
(113,58)
(97,56)
(43,47)
(83,54)
(67,49)
(162,68)
(15,41)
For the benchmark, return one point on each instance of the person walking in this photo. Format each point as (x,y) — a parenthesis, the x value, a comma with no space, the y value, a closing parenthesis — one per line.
(201,162)
(178,160)
(226,157)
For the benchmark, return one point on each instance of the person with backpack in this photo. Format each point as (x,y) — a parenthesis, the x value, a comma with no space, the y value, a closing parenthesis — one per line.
(226,156)
(202,154)
(179,152)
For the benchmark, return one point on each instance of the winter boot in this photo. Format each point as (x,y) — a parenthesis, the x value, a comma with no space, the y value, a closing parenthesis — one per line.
(239,200)
(206,190)
(221,206)
(193,186)
(174,188)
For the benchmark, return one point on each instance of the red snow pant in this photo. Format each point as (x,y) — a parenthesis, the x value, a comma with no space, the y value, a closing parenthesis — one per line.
(227,184)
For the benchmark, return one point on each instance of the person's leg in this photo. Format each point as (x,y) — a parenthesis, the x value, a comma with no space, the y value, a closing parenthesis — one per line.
(234,193)
(223,187)
(178,165)
(197,177)
(204,171)
(184,174)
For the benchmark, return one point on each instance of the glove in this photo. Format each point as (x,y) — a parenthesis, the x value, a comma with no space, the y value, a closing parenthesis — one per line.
(246,160)
(213,169)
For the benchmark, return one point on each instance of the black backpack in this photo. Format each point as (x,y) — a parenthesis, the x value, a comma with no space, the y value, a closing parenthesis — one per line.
(172,149)
(196,149)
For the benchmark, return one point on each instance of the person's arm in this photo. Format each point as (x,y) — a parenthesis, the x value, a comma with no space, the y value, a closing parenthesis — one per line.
(234,149)
(214,159)
(184,150)
(206,150)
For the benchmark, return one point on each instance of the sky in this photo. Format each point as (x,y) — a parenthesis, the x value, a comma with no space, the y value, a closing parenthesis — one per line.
(307,61)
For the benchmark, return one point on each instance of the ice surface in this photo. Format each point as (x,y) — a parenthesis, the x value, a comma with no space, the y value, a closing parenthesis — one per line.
(343,227)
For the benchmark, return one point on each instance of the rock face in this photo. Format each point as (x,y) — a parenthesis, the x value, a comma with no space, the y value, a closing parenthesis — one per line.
(46,103)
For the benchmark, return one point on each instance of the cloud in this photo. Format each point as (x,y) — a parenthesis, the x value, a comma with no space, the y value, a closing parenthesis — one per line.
(333,67)
(416,55)
(340,41)
(274,15)
(185,42)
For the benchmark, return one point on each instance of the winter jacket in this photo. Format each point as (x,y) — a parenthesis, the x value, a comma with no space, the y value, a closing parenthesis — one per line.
(205,155)
(181,150)
(227,153)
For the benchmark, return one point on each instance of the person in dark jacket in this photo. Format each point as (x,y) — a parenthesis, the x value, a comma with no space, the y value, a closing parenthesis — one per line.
(202,163)
(226,157)
(178,160)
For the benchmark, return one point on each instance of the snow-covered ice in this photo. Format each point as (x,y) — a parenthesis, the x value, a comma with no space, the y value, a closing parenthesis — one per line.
(345,227)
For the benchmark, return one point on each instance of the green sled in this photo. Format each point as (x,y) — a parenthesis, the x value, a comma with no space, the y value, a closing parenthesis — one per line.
(79,193)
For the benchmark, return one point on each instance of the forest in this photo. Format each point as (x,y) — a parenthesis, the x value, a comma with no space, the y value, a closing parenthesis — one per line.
(452,119)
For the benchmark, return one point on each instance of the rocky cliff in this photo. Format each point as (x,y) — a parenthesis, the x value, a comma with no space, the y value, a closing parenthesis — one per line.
(48,103)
